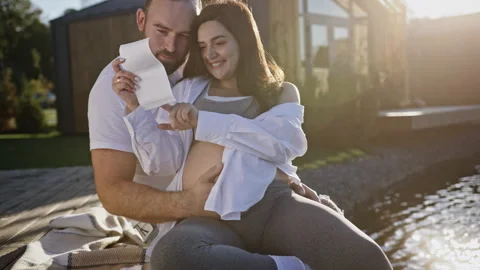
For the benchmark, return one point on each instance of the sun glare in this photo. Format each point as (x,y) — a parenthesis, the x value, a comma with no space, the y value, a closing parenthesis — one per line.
(441,8)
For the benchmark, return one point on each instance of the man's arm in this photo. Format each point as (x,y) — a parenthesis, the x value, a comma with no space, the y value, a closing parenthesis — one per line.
(113,173)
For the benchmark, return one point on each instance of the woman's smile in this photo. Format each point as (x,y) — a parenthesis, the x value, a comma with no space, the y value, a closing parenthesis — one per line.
(217,65)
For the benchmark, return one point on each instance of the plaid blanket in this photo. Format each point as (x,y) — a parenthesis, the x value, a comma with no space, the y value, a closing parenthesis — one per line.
(95,239)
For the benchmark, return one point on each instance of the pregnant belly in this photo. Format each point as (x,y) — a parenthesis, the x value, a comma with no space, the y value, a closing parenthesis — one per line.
(201,157)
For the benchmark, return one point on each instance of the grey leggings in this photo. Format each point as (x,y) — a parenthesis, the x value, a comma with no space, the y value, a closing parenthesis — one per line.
(282,223)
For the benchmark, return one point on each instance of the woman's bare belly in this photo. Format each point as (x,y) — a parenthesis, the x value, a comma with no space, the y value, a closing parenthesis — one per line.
(203,156)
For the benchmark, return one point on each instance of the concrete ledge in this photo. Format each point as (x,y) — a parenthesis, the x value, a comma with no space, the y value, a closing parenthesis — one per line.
(428,117)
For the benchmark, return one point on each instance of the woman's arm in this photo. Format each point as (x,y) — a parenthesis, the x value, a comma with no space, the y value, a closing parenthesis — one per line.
(276,135)
(159,152)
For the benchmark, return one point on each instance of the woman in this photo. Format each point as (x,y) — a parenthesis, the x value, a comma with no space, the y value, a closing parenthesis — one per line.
(228,77)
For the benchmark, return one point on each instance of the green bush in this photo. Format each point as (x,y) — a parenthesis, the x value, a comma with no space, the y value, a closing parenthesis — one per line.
(30,117)
(8,99)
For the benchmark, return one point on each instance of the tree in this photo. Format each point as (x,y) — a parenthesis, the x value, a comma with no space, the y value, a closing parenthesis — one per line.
(7,99)
(24,40)
(29,113)
(16,16)
(69,10)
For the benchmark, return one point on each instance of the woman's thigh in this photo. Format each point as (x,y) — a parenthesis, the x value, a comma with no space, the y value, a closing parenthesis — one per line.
(319,236)
(204,243)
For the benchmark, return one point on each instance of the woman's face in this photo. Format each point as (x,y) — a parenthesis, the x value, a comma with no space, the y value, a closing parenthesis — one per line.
(219,49)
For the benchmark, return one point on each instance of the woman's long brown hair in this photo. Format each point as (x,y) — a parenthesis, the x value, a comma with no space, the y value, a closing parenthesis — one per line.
(257,74)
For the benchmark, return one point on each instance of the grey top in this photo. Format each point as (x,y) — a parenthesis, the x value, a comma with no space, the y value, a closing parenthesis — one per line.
(247,107)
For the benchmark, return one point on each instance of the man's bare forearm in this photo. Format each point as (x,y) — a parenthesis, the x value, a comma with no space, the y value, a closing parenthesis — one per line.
(143,203)
(114,172)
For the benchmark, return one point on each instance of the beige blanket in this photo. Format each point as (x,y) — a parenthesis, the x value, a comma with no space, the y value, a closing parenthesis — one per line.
(95,239)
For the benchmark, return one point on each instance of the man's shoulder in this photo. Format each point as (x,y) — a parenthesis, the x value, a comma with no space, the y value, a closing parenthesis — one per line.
(107,72)
(190,81)
(185,86)
(101,96)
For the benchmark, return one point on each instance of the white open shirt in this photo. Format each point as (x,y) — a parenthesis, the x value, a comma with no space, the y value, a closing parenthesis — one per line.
(254,149)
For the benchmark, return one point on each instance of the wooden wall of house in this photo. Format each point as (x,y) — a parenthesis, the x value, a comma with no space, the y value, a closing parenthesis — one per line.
(93,44)
(283,35)
(444,60)
(386,46)
(387,35)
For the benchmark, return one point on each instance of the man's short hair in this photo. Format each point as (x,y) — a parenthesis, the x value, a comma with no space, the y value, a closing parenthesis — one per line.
(196,3)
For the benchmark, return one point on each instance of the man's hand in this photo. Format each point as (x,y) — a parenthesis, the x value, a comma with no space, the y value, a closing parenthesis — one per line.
(124,85)
(197,195)
(183,116)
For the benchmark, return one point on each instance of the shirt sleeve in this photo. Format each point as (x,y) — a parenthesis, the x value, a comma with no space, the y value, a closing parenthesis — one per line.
(159,152)
(277,138)
(105,110)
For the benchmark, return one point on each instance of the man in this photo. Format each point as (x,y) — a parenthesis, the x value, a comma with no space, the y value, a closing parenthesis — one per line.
(167,24)
(122,186)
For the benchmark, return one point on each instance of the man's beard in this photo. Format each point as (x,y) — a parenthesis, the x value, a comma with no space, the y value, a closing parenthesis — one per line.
(173,65)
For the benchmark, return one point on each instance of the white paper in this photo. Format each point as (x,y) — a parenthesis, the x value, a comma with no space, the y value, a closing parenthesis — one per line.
(154,86)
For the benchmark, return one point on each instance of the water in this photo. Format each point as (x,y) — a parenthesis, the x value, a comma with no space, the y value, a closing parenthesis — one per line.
(431,221)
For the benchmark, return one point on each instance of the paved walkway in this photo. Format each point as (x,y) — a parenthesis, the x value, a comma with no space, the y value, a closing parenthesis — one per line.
(31,198)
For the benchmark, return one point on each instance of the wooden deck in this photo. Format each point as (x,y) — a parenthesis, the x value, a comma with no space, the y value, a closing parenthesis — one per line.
(31,198)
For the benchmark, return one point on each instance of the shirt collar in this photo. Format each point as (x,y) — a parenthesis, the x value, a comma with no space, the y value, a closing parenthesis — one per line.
(175,77)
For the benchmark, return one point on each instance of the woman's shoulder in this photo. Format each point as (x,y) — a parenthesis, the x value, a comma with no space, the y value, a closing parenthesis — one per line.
(289,93)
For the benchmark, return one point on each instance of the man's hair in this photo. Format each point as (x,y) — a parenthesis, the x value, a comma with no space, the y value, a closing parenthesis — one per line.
(196,3)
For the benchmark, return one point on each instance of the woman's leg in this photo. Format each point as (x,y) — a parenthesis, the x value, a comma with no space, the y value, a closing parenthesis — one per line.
(204,243)
(319,236)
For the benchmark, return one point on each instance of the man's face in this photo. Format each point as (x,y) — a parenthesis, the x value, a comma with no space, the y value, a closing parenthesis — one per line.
(167,24)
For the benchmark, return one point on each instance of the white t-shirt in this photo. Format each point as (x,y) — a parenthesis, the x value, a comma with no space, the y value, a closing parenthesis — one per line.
(107,128)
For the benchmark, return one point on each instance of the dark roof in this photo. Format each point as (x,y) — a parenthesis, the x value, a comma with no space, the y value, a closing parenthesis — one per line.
(103,9)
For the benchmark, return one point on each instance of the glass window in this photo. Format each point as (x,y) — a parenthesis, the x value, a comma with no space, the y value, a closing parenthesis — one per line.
(340,33)
(324,7)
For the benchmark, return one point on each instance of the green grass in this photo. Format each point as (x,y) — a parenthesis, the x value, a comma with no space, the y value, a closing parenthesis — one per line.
(50,150)
(316,158)
(44,150)
(14,136)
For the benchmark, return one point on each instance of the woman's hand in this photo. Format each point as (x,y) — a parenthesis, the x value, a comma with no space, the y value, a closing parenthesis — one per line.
(304,190)
(183,116)
(124,85)
(307,192)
